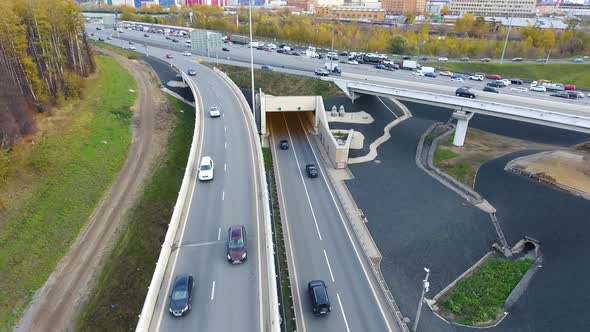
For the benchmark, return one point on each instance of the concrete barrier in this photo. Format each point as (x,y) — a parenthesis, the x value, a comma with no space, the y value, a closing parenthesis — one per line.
(274,323)
(151,299)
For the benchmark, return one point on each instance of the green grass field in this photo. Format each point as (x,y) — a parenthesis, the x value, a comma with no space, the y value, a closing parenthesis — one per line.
(566,73)
(480,297)
(58,183)
(118,295)
(281,84)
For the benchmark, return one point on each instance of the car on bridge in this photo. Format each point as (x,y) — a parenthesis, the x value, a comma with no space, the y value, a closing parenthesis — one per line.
(493,77)
(516,81)
(266,67)
(497,84)
(181,295)
(236,250)
(476,77)
(169,56)
(284,144)
(192,72)
(490,89)
(311,170)
(318,294)
(464,92)
(214,112)
(206,169)
(321,72)
(538,88)
(225,49)
(432,75)
(187,53)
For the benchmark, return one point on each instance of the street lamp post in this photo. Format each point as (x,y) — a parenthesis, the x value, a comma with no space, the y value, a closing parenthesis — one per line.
(506,40)
(425,287)
(252,61)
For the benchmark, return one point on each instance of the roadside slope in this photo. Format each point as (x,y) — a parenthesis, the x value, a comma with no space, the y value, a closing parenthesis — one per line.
(55,305)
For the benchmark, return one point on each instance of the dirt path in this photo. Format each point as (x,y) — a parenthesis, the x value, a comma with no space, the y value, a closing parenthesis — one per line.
(55,305)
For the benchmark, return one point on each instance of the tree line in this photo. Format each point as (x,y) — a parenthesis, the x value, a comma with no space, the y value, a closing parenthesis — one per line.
(43,56)
(470,36)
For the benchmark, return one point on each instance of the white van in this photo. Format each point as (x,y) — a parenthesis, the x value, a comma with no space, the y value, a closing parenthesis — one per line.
(206,169)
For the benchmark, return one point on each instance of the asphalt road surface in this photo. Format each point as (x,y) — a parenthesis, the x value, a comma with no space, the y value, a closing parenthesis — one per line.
(226,297)
(321,243)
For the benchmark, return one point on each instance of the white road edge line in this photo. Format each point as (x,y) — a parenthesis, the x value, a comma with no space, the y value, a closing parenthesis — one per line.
(342,310)
(225,145)
(321,169)
(329,267)
(213,291)
(219,234)
(392,112)
(286,220)
(223,196)
(224,167)
(317,227)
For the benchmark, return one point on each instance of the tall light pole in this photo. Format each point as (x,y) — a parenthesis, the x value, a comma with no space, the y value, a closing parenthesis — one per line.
(425,286)
(252,61)
(506,40)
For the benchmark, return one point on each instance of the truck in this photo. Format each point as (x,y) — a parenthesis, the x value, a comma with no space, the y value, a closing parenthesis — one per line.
(238,39)
(333,67)
(410,64)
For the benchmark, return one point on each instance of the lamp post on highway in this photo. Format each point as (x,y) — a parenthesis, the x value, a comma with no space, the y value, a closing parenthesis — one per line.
(252,61)
(425,286)
(506,40)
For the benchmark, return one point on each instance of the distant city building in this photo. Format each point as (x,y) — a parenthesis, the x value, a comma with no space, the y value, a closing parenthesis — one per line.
(434,7)
(404,6)
(166,3)
(120,2)
(351,13)
(305,5)
(521,22)
(512,8)
(330,3)
(214,3)
(370,3)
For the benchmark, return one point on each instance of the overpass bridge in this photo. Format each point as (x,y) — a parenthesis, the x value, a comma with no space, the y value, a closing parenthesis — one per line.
(552,114)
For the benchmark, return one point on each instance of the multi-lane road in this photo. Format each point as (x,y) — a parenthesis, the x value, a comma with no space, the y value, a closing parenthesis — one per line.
(320,242)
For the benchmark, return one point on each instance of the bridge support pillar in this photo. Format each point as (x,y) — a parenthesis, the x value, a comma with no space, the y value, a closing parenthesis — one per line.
(461,129)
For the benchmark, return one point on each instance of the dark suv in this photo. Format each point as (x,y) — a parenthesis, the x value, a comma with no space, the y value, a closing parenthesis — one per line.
(318,293)
(465,92)
(311,170)
(236,244)
(181,296)
(284,144)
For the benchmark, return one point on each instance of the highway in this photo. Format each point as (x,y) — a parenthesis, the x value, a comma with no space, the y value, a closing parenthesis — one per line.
(240,54)
(321,244)
(226,297)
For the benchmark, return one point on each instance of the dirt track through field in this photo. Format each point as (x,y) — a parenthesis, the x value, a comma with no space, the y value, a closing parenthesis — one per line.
(56,304)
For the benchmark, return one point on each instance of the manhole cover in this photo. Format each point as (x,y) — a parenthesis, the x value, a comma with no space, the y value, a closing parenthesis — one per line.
(377,161)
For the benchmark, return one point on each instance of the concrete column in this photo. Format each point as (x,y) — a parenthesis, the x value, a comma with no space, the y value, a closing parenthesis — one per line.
(262,105)
(461,129)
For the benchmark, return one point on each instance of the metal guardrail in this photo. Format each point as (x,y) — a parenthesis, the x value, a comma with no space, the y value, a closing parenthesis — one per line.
(545,117)
(151,299)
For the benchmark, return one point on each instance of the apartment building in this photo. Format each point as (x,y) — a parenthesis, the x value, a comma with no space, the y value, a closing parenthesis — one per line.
(351,13)
(511,8)
(403,6)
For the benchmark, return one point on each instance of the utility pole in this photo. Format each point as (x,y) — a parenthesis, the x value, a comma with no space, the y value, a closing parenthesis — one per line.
(425,286)
(332,48)
(252,61)
(506,40)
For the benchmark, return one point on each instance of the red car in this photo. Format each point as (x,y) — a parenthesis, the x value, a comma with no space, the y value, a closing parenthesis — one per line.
(493,77)
(486,60)
(169,56)
(570,87)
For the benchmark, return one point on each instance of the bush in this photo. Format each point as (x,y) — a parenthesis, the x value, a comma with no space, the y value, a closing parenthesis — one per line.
(73,85)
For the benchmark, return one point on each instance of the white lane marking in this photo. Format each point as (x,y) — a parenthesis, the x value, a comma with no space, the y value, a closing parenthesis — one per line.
(342,310)
(288,232)
(329,268)
(199,244)
(302,179)
(321,169)
(223,196)
(392,112)
(225,145)
(219,234)
(225,128)
(213,291)
(225,167)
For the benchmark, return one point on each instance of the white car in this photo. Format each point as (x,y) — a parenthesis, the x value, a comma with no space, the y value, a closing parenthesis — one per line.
(443,59)
(187,53)
(457,79)
(476,77)
(214,112)
(271,46)
(506,81)
(520,89)
(538,88)
(131,47)
(206,169)
(352,62)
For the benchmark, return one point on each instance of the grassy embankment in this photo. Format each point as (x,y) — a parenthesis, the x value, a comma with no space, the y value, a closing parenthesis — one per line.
(480,297)
(281,84)
(118,295)
(566,73)
(130,54)
(283,269)
(50,187)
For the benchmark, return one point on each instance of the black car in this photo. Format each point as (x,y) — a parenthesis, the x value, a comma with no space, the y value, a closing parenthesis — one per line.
(464,59)
(490,89)
(515,81)
(175,40)
(407,58)
(98,28)
(517,60)
(100,39)
(380,66)
(281,50)
(284,144)
(236,244)
(181,296)
(296,53)
(495,84)
(311,170)
(318,294)
(343,53)
(146,35)
(168,37)
(320,56)
(225,49)
(424,58)
(562,94)
(464,92)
